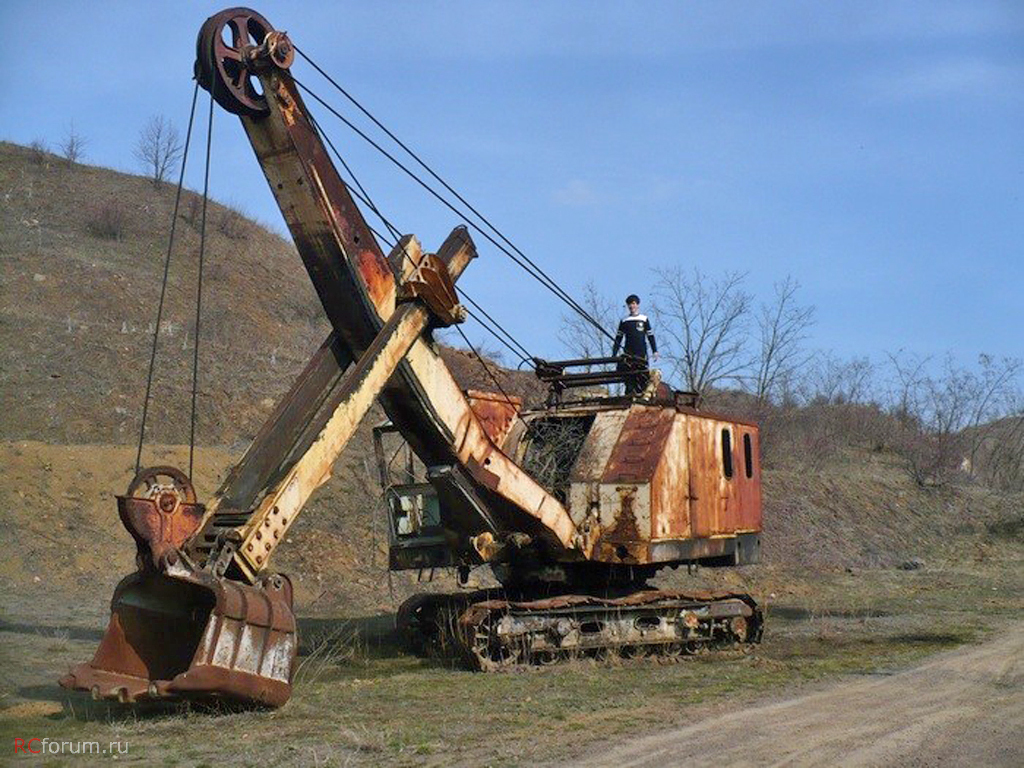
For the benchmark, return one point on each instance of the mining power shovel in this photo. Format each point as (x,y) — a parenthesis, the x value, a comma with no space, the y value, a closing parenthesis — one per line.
(573,506)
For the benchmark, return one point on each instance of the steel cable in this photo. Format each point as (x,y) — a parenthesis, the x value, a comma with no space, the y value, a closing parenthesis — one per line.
(163,284)
(559,291)
(199,292)
(512,344)
(533,271)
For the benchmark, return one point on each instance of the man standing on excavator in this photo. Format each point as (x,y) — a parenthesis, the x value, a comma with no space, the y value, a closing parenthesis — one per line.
(637,332)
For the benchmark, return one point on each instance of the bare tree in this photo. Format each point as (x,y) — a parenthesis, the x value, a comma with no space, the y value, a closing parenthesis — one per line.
(832,381)
(992,394)
(705,321)
(72,146)
(782,326)
(946,419)
(579,335)
(925,434)
(158,148)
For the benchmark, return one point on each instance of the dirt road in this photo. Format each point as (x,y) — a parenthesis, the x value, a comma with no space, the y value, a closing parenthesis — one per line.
(965,707)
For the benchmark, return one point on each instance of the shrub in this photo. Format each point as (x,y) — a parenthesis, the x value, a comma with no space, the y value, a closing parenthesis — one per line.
(192,209)
(107,221)
(231,223)
(38,152)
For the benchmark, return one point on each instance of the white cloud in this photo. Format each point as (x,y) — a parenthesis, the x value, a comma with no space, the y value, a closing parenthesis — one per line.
(943,78)
(575,193)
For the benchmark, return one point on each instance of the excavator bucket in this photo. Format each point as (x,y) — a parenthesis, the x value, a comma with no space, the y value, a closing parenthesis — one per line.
(178,632)
(191,635)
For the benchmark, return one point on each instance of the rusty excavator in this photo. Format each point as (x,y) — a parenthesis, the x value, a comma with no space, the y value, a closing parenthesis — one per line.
(574,506)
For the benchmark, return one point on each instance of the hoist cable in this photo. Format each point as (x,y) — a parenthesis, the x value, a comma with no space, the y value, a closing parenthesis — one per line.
(163,284)
(528,267)
(534,272)
(497,383)
(363,196)
(199,292)
(522,352)
(561,293)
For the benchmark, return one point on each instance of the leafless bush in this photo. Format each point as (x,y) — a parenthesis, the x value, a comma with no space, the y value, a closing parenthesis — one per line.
(946,419)
(812,434)
(107,221)
(192,211)
(158,148)
(232,223)
(832,380)
(825,407)
(38,152)
(1000,458)
(72,146)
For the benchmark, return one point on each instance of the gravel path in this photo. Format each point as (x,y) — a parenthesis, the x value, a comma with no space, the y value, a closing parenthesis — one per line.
(964,708)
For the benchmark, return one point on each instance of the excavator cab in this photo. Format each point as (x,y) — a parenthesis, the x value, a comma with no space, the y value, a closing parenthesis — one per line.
(416,537)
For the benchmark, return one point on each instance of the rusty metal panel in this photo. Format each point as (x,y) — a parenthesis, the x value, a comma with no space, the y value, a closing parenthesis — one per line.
(495,412)
(585,478)
(339,251)
(592,462)
(720,504)
(707,483)
(625,523)
(670,488)
(641,442)
(748,511)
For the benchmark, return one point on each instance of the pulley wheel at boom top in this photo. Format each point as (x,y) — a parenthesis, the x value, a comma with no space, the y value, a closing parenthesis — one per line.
(226,70)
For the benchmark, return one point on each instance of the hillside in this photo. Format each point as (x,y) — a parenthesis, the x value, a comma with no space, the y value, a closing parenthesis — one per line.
(78,309)
(75,332)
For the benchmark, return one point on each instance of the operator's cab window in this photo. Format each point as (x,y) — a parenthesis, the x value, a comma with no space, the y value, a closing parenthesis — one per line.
(727,452)
(748,454)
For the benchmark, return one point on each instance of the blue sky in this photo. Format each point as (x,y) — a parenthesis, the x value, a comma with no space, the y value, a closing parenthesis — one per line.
(871,149)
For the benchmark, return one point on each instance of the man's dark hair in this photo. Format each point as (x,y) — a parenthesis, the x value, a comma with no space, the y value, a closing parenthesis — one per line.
(631,298)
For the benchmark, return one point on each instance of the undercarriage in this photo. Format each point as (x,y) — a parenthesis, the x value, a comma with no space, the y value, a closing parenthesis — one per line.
(491,630)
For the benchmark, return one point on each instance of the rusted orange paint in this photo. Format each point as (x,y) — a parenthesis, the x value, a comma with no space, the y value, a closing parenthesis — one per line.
(496,413)
(376,275)
(670,492)
(639,449)
(748,510)
(656,475)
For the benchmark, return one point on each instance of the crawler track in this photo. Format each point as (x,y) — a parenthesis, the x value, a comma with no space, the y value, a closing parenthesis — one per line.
(492,633)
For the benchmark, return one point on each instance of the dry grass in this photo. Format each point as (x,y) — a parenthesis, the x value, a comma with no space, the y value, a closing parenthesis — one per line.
(382,707)
(81,283)
(107,221)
